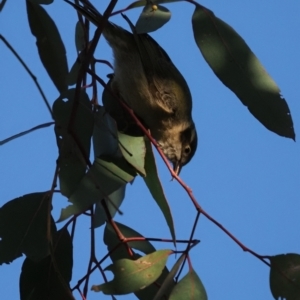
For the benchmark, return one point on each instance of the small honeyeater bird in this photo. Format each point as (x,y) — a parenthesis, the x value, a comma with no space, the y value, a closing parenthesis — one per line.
(147,80)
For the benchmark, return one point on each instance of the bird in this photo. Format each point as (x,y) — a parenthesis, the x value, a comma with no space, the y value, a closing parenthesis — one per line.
(148,81)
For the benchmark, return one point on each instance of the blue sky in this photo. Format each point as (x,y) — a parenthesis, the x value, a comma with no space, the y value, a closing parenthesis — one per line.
(243,175)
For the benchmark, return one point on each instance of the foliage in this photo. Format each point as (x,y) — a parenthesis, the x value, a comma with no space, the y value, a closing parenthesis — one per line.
(122,153)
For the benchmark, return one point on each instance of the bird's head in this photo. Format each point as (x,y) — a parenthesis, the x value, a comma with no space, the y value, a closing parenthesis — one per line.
(179,145)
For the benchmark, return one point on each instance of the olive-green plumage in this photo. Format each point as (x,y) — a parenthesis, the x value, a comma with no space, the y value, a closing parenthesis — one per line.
(146,78)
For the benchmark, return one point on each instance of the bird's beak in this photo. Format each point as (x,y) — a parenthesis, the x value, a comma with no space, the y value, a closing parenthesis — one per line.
(177,167)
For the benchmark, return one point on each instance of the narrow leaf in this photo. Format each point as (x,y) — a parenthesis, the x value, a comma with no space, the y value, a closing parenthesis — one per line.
(285,276)
(73,74)
(25,132)
(79,37)
(168,284)
(133,275)
(154,185)
(239,69)
(49,43)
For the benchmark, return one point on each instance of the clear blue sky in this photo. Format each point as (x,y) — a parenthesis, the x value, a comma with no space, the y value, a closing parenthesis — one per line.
(243,175)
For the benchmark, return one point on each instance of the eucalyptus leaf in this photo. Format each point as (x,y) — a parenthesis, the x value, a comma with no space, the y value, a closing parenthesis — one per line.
(49,43)
(155,187)
(152,18)
(106,175)
(24,227)
(79,36)
(189,287)
(73,149)
(133,275)
(133,150)
(46,279)
(239,69)
(285,276)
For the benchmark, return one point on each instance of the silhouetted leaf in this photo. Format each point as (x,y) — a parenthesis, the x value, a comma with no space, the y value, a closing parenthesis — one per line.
(23,227)
(107,175)
(284,267)
(49,43)
(72,164)
(133,275)
(105,142)
(239,69)
(79,37)
(49,278)
(105,129)
(113,201)
(153,183)
(73,74)
(25,132)
(152,18)
(189,287)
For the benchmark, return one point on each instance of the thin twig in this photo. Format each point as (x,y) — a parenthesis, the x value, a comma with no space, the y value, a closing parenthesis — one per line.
(28,71)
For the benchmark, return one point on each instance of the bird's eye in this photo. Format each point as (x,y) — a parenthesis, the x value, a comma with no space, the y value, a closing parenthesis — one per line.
(187,150)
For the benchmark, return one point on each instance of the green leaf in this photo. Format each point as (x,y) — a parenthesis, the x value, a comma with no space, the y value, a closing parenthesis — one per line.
(285,276)
(25,132)
(72,164)
(73,74)
(105,140)
(106,175)
(133,150)
(168,284)
(154,185)
(79,37)
(49,278)
(133,275)
(112,240)
(49,43)
(189,287)
(152,18)
(239,69)
(115,200)
(23,227)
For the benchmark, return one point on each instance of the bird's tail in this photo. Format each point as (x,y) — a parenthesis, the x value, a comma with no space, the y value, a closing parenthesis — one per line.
(116,36)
